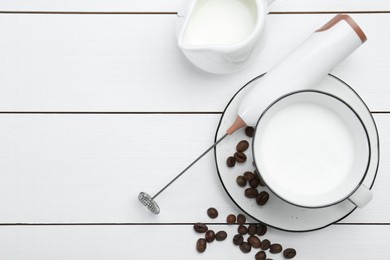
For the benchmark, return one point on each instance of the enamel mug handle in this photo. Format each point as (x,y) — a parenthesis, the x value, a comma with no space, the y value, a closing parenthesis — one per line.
(361,197)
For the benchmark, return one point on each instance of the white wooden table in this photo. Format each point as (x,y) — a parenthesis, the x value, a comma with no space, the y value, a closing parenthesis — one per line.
(97,103)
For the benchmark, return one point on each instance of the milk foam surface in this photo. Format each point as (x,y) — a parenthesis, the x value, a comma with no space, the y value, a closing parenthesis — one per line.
(306,148)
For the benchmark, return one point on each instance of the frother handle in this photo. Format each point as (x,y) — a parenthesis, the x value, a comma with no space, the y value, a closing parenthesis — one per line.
(305,67)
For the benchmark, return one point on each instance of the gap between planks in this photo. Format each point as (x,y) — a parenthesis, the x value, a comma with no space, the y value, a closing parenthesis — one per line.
(162,224)
(116,112)
(134,112)
(175,13)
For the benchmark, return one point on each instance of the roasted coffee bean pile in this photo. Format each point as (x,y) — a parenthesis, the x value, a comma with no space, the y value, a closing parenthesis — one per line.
(248,237)
(239,156)
(251,192)
(210,235)
(253,179)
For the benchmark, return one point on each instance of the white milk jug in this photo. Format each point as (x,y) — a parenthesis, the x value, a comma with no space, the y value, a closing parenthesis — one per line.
(219,36)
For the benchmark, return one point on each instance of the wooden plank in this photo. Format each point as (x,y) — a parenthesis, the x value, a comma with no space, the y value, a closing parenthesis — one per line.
(114,62)
(375,211)
(66,168)
(329,6)
(178,242)
(77,168)
(174,5)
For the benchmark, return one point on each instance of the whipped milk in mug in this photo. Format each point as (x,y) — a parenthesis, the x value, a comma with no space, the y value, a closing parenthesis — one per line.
(221,22)
(307,147)
(311,149)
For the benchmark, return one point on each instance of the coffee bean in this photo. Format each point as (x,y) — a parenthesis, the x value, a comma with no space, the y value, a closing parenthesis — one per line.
(212,213)
(265,244)
(231,219)
(254,183)
(252,229)
(231,161)
(261,256)
(241,219)
(261,229)
(201,245)
(242,146)
(245,247)
(240,157)
(254,241)
(200,227)
(210,236)
(251,193)
(238,239)
(242,229)
(220,235)
(241,181)
(249,175)
(249,131)
(262,198)
(289,253)
(275,248)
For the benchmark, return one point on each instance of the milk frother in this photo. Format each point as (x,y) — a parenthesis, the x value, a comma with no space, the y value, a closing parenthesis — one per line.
(302,69)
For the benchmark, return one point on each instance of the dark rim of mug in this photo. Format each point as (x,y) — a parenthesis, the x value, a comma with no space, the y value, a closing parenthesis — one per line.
(256,218)
(347,106)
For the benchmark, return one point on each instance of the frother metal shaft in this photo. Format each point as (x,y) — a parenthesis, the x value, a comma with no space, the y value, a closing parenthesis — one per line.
(189,166)
(149,202)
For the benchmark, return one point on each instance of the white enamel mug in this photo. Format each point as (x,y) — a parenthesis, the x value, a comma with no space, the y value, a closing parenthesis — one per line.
(312,150)
(218,36)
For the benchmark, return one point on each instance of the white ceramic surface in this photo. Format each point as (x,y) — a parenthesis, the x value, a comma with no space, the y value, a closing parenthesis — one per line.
(311,149)
(277,212)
